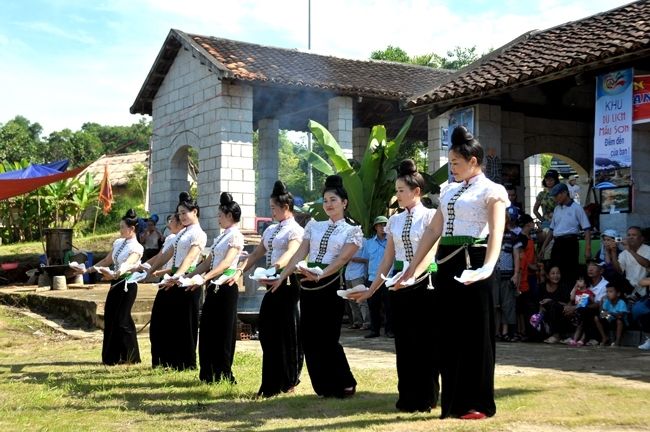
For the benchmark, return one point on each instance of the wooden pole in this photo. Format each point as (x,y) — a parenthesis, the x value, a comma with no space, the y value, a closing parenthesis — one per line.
(96,213)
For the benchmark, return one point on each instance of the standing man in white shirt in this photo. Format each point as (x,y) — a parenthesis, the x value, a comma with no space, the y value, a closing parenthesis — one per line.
(568,220)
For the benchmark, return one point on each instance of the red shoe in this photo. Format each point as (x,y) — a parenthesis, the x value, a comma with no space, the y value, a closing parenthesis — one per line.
(473,415)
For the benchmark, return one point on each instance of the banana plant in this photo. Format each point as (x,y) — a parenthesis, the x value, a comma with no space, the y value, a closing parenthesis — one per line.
(371,185)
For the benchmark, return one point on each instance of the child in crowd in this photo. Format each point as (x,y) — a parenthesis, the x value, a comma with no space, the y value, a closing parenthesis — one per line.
(613,312)
(581,297)
(527,283)
(505,284)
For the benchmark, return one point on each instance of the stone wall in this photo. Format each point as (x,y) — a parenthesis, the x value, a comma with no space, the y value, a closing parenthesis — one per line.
(194,108)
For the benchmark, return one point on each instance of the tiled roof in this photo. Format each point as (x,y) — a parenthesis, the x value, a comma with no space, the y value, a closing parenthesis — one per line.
(566,49)
(289,67)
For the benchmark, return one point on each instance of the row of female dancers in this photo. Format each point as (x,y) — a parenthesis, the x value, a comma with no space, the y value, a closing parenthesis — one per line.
(443,327)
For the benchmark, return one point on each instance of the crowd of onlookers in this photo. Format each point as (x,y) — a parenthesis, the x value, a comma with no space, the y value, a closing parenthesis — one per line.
(542,293)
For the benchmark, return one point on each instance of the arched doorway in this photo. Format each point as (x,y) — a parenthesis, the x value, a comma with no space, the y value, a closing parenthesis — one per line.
(182,170)
(533,175)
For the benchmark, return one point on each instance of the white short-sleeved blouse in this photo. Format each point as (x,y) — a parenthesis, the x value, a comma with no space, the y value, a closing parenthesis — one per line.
(465,206)
(230,238)
(276,238)
(343,233)
(421,218)
(192,235)
(123,248)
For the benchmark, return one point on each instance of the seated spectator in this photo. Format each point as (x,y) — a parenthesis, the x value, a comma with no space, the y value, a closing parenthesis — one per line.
(553,299)
(609,252)
(633,261)
(581,297)
(641,314)
(613,313)
(597,284)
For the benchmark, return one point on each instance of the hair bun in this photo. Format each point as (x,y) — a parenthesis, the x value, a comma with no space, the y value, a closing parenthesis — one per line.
(460,136)
(407,167)
(225,199)
(279,188)
(130,214)
(334,181)
(184,196)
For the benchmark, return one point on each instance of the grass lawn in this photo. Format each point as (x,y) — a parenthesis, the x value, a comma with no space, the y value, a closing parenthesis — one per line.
(54,383)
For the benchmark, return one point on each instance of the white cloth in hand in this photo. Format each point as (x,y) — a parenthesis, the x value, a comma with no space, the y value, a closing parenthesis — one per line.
(166,278)
(262,273)
(125,268)
(393,280)
(470,276)
(302,265)
(76,266)
(355,289)
(137,277)
(194,280)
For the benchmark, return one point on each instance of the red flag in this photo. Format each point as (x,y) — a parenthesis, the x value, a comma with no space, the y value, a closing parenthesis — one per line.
(106,192)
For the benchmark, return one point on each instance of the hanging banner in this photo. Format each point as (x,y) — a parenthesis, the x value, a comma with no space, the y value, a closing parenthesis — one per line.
(641,99)
(459,117)
(613,129)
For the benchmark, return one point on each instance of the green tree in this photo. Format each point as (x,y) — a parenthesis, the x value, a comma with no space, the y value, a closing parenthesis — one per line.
(121,139)
(460,57)
(391,53)
(20,139)
(456,58)
(546,163)
(80,147)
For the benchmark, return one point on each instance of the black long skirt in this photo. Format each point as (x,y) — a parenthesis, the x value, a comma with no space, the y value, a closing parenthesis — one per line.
(321,316)
(466,337)
(217,334)
(120,337)
(282,355)
(174,328)
(414,323)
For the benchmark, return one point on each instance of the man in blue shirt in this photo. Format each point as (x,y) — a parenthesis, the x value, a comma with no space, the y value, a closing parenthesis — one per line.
(373,251)
(569,219)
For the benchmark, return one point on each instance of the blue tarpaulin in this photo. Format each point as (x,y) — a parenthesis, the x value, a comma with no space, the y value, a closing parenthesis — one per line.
(37,170)
(25,180)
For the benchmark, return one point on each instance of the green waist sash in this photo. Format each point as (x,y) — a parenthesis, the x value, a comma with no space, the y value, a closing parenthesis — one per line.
(461,240)
(317,264)
(399,266)
(191,269)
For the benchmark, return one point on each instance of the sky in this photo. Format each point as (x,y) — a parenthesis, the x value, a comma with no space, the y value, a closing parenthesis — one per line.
(67,62)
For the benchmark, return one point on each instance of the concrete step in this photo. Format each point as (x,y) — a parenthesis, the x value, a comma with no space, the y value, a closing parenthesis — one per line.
(139,318)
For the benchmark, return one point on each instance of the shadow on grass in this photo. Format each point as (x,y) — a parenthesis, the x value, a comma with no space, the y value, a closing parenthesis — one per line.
(179,396)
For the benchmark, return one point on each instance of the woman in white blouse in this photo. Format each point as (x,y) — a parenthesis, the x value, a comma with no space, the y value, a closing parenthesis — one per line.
(469,211)
(411,306)
(120,337)
(282,356)
(175,313)
(328,245)
(219,312)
